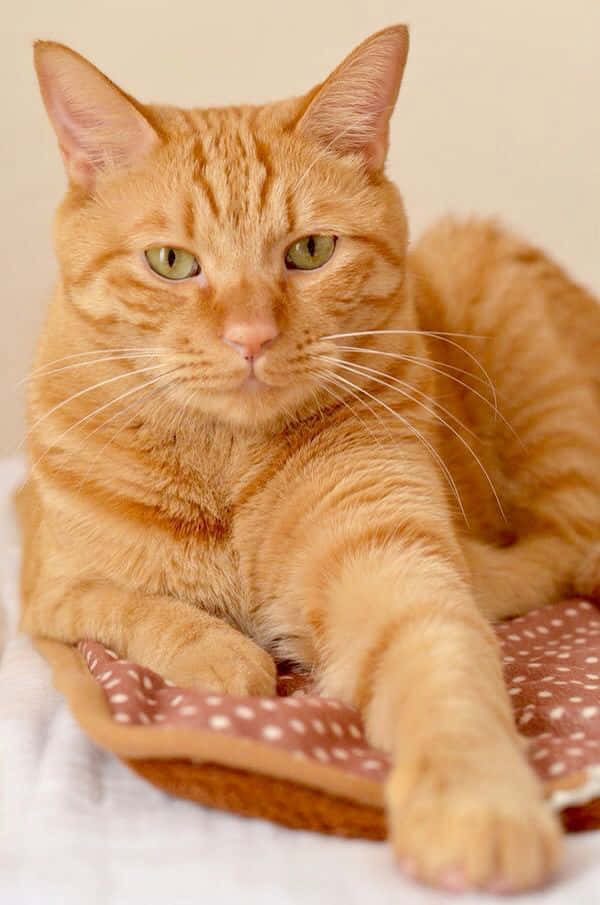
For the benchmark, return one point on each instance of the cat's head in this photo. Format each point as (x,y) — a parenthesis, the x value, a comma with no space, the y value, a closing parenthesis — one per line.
(229,242)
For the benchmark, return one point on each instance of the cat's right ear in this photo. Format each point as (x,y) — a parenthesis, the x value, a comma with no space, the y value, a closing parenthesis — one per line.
(96,124)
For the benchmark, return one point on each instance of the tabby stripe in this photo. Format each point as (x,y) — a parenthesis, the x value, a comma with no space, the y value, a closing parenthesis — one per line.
(137,304)
(241,207)
(189,120)
(199,176)
(189,218)
(290,211)
(564,524)
(210,196)
(124,280)
(242,149)
(531,418)
(96,320)
(527,256)
(263,157)
(155,222)
(401,534)
(556,484)
(383,250)
(202,527)
(548,446)
(295,445)
(96,265)
(365,680)
(371,301)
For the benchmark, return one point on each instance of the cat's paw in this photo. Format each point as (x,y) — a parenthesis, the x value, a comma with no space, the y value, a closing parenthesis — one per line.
(463,830)
(224,661)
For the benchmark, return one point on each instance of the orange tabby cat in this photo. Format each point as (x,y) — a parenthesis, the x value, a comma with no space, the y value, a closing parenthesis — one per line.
(257,428)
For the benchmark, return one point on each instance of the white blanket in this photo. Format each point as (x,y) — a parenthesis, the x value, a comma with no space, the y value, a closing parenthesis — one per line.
(78,828)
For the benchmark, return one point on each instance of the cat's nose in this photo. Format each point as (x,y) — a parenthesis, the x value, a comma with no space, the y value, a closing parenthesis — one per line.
(250,338)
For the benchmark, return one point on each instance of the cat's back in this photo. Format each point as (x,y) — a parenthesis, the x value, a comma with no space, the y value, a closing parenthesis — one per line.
(475,277)
(517,368)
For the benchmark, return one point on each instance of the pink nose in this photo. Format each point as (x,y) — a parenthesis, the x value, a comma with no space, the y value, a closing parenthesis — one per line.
(249,339)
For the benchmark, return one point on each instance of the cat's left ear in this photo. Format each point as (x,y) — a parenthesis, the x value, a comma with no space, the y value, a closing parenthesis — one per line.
(350,111)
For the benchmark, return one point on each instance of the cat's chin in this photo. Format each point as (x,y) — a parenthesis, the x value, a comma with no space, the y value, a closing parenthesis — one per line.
(256,404)
(252,403)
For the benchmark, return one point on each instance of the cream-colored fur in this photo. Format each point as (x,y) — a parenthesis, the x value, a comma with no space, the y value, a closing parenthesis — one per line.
(416,454)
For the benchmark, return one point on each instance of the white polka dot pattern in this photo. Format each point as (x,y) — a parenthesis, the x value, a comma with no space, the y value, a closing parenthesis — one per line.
(554,686)
(319,729)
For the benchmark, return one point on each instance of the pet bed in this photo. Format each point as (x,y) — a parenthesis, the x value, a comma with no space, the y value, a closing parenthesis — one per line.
(76,825)
(303,760)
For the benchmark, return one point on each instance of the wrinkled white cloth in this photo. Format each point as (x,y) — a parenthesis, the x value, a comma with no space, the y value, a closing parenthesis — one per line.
(78,828)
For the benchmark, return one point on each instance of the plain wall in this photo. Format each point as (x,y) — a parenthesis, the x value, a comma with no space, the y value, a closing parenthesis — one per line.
(499,114)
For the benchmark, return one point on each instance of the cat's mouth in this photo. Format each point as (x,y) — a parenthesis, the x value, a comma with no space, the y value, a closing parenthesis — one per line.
(251,385)
(255,381)
(254,384)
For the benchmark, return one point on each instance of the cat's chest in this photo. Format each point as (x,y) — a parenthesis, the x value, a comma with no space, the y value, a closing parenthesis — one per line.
(208,560)
(201,565)
(197,530)
(198,559)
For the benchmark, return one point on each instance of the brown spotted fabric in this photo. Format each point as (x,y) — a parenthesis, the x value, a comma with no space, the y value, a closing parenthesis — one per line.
(307,726)
(552,667)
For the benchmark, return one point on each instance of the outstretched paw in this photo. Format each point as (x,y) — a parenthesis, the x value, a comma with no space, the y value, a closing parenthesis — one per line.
(463,829)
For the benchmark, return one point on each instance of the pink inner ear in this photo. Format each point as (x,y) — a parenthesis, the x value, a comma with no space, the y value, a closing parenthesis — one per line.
(80,123)
(351,111)
(73,126)
(95,123)
(379,112)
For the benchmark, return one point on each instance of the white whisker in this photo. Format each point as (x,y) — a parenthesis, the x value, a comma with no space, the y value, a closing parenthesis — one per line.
(123,411)
(413,430)
(430,365)
(443,337)
(184,405)
(82,364)
(55,361)
(332,376)
(406,333)
(417,360)
(101,408)
(362,370)
(315,395)
(88,389)
(138,403)
(330,379)
(413,389)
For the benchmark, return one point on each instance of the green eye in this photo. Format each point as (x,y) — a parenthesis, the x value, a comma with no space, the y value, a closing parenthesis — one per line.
(310,252)
(172,263)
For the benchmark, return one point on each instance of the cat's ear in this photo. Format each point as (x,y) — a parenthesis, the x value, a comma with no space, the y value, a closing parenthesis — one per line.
(350,111)
(97,125)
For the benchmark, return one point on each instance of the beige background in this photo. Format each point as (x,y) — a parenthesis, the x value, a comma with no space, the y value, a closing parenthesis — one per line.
(500,114)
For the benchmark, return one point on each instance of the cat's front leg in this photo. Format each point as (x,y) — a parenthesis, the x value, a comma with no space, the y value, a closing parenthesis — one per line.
(182,643)
(404,641)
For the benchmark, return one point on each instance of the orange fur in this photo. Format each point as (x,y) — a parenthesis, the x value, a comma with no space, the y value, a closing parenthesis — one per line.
(200,525)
